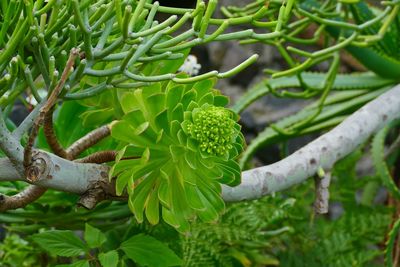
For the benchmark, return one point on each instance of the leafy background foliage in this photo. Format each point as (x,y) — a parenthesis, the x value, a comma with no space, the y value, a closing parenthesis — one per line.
(279,229)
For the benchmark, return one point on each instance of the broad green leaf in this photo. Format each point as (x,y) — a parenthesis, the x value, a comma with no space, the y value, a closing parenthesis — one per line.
(97,117)
(163,194)
(206,99)
(188,97)
(135,117)
(153,207)
(212,195)
(204,86)
(193,197)
(155,104)
(93,236)
(192,105)
(66,118)
(81,263)
(174,96)
(152,89)
(125,164)
(161,121)
(208,214)
(177,113)
(177,194)
(142,191)
(128,102)
(109,259)
(122,181)
(60,242)
(175,127)
(221,101)
(148,251)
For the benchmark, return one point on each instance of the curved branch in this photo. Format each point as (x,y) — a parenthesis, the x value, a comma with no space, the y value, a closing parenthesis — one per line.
(87,141)
(23,198)
(51,137)
(47,106)
(99,157)
(321,153)
(10,146)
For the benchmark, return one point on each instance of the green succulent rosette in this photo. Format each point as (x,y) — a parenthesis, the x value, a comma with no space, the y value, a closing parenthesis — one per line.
(180,145)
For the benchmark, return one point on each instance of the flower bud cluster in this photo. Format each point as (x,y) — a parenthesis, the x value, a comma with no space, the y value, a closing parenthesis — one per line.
(213,128)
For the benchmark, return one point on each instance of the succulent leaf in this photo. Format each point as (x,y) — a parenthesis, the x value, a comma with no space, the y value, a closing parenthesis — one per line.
(181,144)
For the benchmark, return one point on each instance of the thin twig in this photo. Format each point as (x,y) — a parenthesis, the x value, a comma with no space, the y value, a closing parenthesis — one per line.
(50,135)
(23,198)
(87,141)
(48,106)
(51,101)
(99,157)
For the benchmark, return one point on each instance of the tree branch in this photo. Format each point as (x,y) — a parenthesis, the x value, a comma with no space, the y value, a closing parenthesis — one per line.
(88,140)
(99,157)
(321,153)
(27,123)
(23,198)
(10,146)
(51,137)
(48,105)
(7,171)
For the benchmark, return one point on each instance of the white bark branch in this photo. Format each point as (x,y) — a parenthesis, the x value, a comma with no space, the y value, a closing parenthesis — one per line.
(7,171)
(51,171)
(27,122)
(10,146)
(322,152)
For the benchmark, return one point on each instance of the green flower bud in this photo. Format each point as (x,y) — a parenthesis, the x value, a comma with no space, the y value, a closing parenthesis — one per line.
(213,128)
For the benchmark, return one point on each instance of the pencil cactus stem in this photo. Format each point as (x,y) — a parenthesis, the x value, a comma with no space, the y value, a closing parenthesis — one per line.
(150,17)
(78,16)
(156,28)
(125,21)
(175,40)
(196,78)
(136,14)
(201,6)
(179,23)
(212,4)
(217,32)
(239,68)
(46,8)
(155,78)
